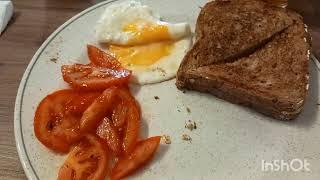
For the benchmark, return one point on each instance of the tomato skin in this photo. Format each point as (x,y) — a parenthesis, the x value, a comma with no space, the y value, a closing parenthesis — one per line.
(90,77)
(120,113)
(101,58)
(142,154)
(132,128)
(110,134)
(54,125)
(99,109)
(131,132)
(86,161)
(81,101)
(130,122)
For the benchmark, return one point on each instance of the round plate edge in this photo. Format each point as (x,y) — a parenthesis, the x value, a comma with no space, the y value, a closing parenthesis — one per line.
(27,167)
(30,173)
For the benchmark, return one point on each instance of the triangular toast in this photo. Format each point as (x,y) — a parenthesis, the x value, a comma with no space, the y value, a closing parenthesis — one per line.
(272,80)
(226,30)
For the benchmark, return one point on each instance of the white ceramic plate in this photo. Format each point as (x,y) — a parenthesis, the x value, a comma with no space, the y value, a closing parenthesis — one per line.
(230,142)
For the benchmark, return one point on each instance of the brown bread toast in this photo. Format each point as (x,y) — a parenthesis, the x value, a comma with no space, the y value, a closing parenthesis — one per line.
(272,80)
(230,29)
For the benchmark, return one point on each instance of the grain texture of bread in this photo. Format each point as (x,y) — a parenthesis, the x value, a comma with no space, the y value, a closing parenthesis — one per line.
(231,29)
(272,80)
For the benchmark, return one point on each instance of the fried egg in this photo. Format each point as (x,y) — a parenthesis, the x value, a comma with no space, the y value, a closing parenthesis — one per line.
(135,35)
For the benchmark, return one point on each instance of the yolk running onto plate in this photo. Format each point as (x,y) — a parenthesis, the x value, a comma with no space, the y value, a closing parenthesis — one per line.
(142,55)
(147,32)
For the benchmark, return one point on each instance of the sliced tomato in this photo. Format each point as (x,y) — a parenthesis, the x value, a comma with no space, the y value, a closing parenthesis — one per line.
(81,101)
(101,58)
(90,77)
(87,160)
(110,134)
(119,114)
(142,154)
(55,124)
(99,109)
(131,131)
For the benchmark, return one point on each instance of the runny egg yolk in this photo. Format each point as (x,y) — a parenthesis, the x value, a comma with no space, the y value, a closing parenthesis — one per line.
(149,43)
(147,32)
(141,55)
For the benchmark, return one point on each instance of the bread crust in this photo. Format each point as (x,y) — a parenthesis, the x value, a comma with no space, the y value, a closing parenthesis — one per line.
(272,80)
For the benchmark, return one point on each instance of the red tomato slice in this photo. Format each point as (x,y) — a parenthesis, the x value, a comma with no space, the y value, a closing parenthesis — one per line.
(99,109)
(109,133)
(131,132)
(140,155)
(55,125)
(101,58)
(89,77)
(119,114)
(81,101)
(87,160)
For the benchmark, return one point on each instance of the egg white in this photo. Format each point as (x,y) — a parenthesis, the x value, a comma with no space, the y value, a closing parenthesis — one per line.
(109,28)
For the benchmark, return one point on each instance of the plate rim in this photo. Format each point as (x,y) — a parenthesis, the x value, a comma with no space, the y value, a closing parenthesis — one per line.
(18,134)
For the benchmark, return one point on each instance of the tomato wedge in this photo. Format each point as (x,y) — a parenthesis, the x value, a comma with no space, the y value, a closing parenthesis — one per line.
(119,114)
(90,77)
(101,58)
(140,155)
(110,134)
(56,121)
(131,131)
(99,109)
(81,101)
(87,160)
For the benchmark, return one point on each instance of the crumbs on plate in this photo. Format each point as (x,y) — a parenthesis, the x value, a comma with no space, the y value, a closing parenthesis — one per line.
(186,137)
(191,125)
(54,60)
(167,139)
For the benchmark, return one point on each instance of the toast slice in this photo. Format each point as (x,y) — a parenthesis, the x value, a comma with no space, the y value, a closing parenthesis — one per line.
(273,80)
(233,28)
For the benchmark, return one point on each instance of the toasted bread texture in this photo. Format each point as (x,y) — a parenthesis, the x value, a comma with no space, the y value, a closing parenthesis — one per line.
(272,80)
(231,29)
